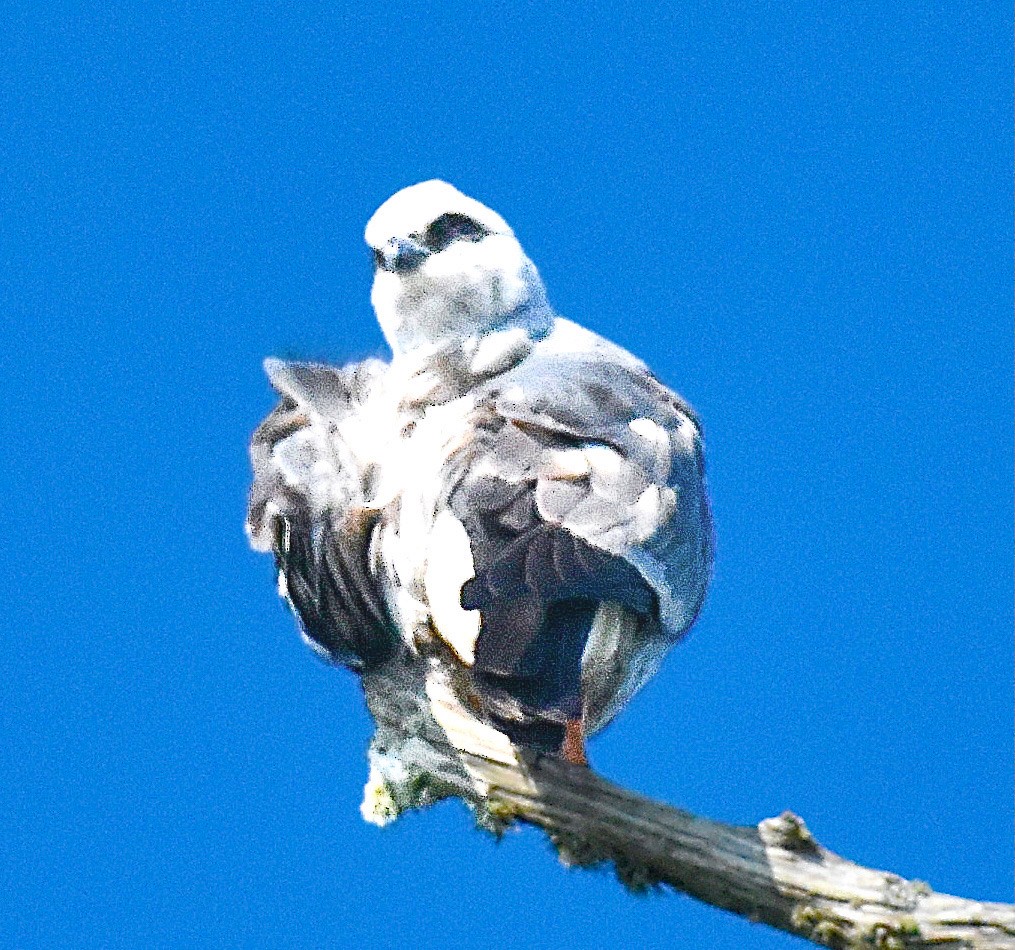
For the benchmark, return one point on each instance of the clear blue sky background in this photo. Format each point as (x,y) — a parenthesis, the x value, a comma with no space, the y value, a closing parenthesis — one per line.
(798,213)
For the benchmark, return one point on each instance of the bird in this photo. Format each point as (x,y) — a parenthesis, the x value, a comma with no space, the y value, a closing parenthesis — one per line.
(510,491)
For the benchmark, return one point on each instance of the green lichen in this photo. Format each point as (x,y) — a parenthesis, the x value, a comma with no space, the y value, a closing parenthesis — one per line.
(576,852)
(804,917)
(908,927)
(896,935)
(636,878)
(380,806)
(819,927)
(424,789)
(385,798)
(883,938)
(494,816)
(796,835)
(829,933)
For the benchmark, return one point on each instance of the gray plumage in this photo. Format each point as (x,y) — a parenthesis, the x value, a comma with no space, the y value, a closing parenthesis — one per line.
(511,488)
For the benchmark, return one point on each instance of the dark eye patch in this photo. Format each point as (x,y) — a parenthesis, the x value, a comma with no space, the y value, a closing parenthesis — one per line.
(452,227)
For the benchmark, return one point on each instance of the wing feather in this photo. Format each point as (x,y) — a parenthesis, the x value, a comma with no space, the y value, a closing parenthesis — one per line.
(307,507)
(583,497)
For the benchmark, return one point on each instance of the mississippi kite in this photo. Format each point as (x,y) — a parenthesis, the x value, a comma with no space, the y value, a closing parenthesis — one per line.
(511,490)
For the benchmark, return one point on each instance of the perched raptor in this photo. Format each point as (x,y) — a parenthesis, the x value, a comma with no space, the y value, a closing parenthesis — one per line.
(511,492)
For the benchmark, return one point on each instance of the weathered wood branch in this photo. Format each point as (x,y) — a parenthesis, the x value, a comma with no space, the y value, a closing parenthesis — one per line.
(428,746)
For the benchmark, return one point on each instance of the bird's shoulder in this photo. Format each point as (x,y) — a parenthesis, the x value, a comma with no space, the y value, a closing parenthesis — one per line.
(584,386)
(602,448)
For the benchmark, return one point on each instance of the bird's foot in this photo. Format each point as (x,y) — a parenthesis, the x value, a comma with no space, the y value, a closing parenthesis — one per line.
(573,748)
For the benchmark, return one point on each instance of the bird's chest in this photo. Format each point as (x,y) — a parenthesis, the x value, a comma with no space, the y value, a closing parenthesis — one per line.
(417,474)
(411,452)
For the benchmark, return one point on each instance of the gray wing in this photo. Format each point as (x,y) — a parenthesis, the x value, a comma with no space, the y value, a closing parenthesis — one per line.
(307,508)
(625,470)
(583,496)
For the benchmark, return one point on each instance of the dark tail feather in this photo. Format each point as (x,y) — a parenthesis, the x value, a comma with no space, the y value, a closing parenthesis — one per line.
(532,685)
(330,590)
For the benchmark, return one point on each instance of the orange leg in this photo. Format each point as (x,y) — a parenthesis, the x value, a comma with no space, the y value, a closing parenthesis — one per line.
(573,749)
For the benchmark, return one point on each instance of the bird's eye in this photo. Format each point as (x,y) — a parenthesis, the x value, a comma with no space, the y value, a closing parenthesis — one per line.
(452,227)
(378,259)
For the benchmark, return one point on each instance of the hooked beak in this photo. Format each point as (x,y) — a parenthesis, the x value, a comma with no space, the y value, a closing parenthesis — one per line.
(400,255)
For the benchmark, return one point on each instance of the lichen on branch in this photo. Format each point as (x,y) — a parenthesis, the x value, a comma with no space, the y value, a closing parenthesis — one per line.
(429,746)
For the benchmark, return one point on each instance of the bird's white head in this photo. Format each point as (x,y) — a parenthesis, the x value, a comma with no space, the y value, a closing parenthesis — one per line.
(447,268)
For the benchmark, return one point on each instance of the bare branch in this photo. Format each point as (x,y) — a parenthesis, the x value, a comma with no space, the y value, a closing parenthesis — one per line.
(428,746)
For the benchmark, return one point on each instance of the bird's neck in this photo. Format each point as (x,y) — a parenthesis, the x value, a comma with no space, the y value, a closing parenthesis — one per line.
(437,372)
(428,312)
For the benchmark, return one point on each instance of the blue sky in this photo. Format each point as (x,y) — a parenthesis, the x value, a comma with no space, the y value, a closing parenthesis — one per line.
(799,214)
